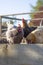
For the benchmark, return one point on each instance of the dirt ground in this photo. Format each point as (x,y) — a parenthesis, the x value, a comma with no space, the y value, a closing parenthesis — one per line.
(20,54)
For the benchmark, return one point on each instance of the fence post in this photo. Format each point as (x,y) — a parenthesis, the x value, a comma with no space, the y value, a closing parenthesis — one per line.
(0,26)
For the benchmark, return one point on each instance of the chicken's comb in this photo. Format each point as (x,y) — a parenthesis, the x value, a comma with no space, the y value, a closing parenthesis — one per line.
(23,20)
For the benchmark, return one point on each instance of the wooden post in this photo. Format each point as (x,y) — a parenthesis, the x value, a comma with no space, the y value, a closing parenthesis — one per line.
(0,26)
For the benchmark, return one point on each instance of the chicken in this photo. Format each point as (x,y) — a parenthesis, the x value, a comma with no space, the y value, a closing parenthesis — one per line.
(27,30)
(14,34)
(36,36)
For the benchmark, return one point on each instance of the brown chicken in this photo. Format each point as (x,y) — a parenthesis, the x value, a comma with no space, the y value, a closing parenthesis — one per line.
(27,30)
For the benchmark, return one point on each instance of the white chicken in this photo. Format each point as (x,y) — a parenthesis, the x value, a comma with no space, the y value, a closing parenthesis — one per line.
(14,34)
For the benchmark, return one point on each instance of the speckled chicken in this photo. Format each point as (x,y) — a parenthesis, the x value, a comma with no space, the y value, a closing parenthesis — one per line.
(14,34)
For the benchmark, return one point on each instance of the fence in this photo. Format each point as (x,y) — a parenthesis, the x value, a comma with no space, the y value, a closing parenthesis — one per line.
(11,17)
